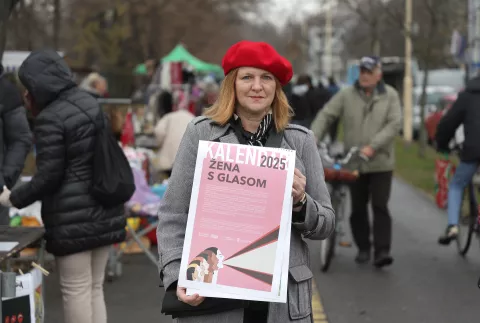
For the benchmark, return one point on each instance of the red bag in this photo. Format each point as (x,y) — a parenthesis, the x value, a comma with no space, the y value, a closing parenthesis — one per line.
(444,170)
(128,133)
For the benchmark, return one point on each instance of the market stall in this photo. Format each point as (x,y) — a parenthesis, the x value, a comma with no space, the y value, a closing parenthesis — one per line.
(141,211)
(181,55)
(22,290)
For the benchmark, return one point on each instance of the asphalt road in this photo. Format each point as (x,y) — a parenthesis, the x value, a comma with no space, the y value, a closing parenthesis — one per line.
(426,284)
(134,297)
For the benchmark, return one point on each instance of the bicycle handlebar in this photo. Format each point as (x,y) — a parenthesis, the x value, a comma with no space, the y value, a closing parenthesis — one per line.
(343,161)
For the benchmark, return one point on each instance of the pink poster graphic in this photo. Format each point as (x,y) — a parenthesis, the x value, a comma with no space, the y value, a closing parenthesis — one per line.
(237,205)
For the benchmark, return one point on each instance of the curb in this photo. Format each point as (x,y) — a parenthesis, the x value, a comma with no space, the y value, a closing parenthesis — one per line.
(318,312)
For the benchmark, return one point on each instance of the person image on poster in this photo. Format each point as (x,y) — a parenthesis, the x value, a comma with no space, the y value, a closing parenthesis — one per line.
(204,267)
(201,268)
(194,272)
(217,260)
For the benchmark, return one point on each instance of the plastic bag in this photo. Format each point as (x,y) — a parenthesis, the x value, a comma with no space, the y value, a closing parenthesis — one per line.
(444,170)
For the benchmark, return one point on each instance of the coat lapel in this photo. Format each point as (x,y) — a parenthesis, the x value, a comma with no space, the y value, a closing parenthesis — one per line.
(223,134)
(226,134)
(229,138)
(285,144)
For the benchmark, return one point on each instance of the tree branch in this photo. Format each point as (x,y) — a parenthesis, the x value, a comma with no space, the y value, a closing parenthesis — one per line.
(354,7)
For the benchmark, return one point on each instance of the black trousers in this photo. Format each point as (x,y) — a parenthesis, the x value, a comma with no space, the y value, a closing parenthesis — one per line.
(4,215)
(374,187)
(333,131)
(257,312)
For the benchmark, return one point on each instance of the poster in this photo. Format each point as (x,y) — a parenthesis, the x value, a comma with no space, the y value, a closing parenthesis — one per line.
(27,306)
(239,222)
(16,310)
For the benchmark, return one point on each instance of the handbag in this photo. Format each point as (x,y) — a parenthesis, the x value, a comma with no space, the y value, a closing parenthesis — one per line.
(172,306)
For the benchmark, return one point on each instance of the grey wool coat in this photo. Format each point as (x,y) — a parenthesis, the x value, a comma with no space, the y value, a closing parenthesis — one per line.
(319,220)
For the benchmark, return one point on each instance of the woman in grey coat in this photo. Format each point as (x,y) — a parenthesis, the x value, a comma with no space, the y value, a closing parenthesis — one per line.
(251,109)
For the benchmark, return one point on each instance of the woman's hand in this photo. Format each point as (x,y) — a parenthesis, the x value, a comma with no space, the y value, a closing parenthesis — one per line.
(5,197)
(298,188)
(193,300)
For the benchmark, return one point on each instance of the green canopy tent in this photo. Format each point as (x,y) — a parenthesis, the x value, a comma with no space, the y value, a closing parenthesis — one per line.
(181,54)
(140,69)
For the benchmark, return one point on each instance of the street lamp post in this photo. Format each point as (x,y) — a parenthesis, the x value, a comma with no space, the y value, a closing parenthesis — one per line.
(407,80)
(328,41)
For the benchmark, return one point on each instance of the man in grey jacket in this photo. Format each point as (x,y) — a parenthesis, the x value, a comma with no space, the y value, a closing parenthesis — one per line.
(15,136)
(371,115)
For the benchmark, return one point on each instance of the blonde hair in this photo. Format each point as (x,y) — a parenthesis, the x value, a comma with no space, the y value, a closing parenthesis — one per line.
(224,107)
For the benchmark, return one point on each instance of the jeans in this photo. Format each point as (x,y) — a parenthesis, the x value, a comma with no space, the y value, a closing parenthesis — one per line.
(462,177)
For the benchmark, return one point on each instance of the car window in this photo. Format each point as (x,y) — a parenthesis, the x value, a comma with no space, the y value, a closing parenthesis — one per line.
(432,98)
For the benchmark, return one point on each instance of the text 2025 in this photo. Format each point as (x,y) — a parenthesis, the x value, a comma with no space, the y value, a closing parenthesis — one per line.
(273,162)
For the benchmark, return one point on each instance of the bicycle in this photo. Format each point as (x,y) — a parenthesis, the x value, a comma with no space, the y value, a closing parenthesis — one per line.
(339,179)
(469,221)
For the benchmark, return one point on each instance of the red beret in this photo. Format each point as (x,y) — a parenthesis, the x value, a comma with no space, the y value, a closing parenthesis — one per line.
(260,55)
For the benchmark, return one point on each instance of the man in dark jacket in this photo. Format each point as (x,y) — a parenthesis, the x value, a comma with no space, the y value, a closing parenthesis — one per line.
(466,111)
(15,136)
(307,100)
(79,230)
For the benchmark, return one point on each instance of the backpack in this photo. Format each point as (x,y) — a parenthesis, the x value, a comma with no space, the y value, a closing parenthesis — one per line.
(112,181)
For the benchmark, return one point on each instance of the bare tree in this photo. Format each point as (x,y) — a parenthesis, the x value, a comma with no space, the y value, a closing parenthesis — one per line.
(143,29)
(369,15)
(57,17)
(23,32)
(435,21)
(6,7)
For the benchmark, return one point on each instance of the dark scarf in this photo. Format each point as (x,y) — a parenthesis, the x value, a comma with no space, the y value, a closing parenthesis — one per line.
(261,135)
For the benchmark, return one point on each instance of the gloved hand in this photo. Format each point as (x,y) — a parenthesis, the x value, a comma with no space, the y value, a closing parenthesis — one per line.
(5,197)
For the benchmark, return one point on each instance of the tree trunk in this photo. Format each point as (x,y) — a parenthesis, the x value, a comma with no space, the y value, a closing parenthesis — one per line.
(427,58)
(422,139)
(375,38)
(5,8)
(27,11)
(3,37)
(376,47)
(56,24)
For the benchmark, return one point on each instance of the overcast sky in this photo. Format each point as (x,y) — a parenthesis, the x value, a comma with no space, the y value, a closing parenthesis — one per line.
(281,10)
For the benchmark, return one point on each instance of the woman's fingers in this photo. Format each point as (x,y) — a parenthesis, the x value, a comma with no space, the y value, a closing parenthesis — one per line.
(193,300)
(297,172)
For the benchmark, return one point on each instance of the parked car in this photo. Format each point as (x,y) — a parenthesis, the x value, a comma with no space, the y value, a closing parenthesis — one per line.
(434,94)
(431,122)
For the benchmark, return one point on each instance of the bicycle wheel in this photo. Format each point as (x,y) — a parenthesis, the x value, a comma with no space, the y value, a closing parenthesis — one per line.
(327,246)
(327,249)
(467,221)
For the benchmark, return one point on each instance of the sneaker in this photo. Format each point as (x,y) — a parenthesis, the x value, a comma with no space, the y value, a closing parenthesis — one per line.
(451,233)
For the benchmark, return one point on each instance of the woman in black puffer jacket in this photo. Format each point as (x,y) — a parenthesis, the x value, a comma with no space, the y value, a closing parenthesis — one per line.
(79,230)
